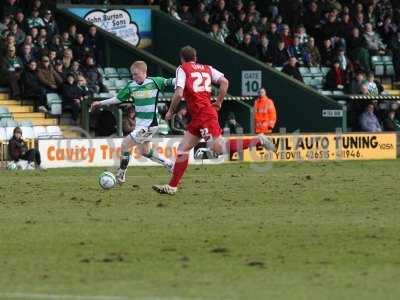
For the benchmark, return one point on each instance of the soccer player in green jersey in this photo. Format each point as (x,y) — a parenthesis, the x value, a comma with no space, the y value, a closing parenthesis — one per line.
(143,93)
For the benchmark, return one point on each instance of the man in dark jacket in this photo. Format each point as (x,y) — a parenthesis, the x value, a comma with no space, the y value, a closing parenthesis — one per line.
(32,87)
(93,76)
(72,96)
(17,149)
(292,70)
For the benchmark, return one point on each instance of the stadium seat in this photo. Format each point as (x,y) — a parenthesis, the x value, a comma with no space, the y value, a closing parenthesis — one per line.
(305,71)
(101,71)
(325,70)
(54,102)
(123,73)
(307,80)
(27,132)
(317,82)
(25,123)
(54,132)
(110,73)
(4,113)
(316,71)
(3,134)
(338,93)
(387,60)
(110,84)
(379,70)
(278,69)
(40,132)
(326,93)
(9,132)
(11,123)
(120,83)
(389,70)
(376,60)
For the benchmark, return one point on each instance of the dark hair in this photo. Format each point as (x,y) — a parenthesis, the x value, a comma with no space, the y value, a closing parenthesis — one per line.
(188,53)
(17,130)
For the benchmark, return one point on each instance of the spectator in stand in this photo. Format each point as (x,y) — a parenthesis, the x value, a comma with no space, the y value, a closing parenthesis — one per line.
(336,78)
(185,14)
(179,121)
(34,33)
(80,50)
(262,25)
(344,61)
(374,42)
(265,53)
(67,58)
(330,30)
(129,121)
(50,24)
(10,7)
(232,125)
(27,54)
(92,42)
(291,69)
(76,69)
(368,120)
(391,123)
(395,48)
(48,77)
(17,149)
(356,83)
(21,21)
(4,25)
(302,35)
(235,39)
(280,55)
(52,57)
(17,32)
(216,33)
(11,69)
(66,40)
(72,32)
(372,85)
(286,36)
(204,24)
(327,53)
(264,113)
(56,46)
(312,57)
(248,46)
(93,76)
(358,51)
(296,50)
(33,88)
(273,36)
(35,21)
(359,22)
(72,96)
(59,68)
(312,18)
(388,29)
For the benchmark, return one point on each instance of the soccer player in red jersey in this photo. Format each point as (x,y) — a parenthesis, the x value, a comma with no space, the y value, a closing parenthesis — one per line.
(194,82)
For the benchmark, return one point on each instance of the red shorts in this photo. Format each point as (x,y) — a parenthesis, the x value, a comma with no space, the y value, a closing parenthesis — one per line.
(205,126)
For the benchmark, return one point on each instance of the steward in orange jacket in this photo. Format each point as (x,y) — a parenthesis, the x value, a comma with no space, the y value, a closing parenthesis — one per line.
(264,113)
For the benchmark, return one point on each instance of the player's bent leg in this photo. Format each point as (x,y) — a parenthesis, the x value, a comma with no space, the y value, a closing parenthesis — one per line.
(126,147)
(148,152)
(188,142)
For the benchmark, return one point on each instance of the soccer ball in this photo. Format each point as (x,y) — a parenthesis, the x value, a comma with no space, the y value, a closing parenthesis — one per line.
(107,180)
(12,166)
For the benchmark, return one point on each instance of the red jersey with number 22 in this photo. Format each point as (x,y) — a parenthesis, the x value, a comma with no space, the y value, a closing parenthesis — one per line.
(196,80)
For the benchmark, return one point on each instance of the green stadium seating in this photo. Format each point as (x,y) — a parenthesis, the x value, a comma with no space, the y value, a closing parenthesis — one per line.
(5,113)
(54,103)
(325,70)
(376,60)
(316,71)
(123,73)
(120,83)
(110,84)
(110,73)
(101,71)
(389,70)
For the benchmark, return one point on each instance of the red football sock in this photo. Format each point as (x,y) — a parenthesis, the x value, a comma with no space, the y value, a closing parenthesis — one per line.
(235,144)
(180,166)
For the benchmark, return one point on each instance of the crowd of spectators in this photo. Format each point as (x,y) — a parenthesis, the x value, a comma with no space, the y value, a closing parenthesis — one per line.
(315,33)
(38,58)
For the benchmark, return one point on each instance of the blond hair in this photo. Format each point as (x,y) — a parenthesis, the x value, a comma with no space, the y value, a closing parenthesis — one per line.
(139,64)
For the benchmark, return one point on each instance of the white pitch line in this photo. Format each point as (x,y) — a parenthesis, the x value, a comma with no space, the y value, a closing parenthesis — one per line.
(57,297)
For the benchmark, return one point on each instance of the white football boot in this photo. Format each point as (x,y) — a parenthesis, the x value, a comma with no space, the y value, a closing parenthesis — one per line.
(120,176)
(165,189)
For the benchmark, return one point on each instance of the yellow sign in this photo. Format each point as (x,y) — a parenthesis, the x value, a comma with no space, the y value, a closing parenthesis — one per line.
(311,147)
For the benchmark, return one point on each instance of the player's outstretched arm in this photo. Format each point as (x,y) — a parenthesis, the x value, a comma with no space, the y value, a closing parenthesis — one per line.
(176,99)
(223,90)
(107,102)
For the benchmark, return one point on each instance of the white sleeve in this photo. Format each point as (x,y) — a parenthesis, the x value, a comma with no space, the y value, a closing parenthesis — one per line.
(180,78)
(215,75)
(110,101)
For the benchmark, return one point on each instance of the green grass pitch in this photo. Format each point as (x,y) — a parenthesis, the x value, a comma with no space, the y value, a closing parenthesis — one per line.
(292,231)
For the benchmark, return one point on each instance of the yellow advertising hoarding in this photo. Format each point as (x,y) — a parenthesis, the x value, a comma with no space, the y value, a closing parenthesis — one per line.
(311,147)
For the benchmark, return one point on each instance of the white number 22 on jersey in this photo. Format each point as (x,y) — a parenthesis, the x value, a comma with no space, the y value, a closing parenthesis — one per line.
(202,82)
